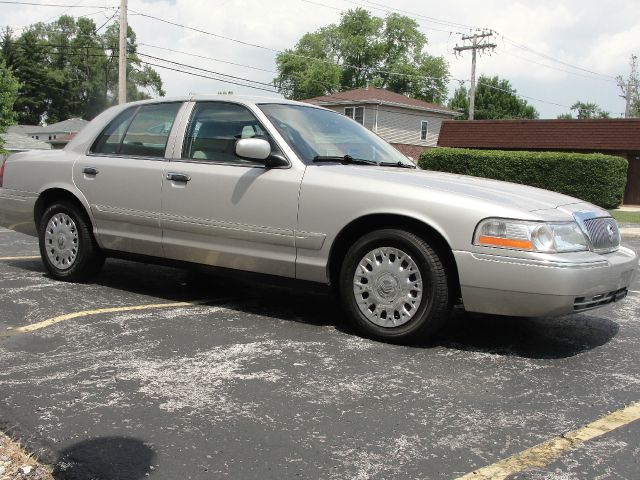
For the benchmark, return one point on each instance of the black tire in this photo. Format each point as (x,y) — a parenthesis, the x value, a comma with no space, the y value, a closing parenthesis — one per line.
(436,301)
(88,258)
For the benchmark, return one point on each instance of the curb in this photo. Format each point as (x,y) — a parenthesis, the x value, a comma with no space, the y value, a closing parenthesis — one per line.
(632,231)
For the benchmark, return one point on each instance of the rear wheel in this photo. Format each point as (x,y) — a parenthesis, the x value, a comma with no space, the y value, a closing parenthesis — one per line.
(394,286)
(67,246)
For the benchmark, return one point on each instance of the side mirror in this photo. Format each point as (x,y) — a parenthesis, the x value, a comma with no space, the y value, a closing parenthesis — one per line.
(259,149)
(253,149)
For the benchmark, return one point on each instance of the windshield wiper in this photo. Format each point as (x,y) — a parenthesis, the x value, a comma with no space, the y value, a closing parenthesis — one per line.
(396,164)
(344,159)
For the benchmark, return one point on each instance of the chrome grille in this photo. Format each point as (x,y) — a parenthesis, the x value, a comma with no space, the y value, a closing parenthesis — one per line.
(603,233)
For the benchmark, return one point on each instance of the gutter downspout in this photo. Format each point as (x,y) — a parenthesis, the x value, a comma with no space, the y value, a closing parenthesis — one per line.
(375,128)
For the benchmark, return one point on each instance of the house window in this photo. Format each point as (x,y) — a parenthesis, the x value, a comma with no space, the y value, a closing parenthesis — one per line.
(356,113)
(423,129)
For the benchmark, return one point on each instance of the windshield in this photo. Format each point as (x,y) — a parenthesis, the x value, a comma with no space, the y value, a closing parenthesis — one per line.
(313,132)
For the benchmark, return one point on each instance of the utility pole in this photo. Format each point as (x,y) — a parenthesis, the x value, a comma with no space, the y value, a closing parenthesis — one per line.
(479,41)
(629,87)
(122,55)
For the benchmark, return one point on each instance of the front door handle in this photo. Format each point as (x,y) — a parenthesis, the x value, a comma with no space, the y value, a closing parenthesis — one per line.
(90,171)
(178,177)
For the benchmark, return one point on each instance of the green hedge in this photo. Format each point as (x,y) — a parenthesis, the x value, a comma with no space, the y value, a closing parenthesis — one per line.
(594,177)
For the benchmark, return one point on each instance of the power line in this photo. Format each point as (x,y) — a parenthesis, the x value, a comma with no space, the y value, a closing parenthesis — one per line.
(33,4)
(204,32)
(63,12)
(207,77)
(493,87)
(205,70)
(548,57)
(419,15)
(546,65)
(421,77)
(206,58)
(104,9)
(108,20)
(367,7)
(512,42)
(329,62)
(141,54)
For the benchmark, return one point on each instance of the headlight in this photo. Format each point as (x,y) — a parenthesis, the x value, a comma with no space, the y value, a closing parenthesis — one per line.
(547,237)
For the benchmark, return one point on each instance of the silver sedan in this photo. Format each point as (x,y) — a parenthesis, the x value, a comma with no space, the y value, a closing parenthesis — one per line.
(294,190)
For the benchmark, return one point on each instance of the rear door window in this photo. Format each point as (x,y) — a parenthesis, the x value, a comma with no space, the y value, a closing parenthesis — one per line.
(139,132)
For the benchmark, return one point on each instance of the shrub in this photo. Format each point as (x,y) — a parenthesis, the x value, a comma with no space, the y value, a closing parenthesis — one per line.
(594,177)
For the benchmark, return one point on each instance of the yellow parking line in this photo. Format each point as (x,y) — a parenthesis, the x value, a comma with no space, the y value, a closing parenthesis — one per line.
(13,227)
(85,313)
(24,257)
(545,453)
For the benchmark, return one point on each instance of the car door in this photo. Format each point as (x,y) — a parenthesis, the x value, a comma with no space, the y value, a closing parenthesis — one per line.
(220,210)
(121,177)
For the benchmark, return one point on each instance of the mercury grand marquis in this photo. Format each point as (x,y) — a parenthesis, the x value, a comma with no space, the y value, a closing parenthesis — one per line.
(294,190)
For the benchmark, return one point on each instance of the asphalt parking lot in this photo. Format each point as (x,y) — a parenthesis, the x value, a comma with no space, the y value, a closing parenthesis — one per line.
(193,376)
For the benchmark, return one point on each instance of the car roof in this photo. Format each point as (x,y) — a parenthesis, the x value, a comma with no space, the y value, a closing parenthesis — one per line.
(246,99)
(82,140)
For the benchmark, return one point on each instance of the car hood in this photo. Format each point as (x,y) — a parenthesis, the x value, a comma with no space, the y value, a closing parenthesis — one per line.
(506,194)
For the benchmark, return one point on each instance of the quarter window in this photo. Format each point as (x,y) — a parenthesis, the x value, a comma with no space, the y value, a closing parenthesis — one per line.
(140,132)
(214,129)
(356,113)
(423,129)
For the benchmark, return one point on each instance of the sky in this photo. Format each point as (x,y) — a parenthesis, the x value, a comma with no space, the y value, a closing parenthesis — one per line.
(553,52)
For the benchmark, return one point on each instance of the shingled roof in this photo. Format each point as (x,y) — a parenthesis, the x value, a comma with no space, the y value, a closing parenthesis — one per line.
(15,142)
(573,135)
(380,96)
(71,125)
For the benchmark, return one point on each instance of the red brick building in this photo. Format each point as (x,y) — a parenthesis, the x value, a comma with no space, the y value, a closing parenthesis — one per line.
(610,136)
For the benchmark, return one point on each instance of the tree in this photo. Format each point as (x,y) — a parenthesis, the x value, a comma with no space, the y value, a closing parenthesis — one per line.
(30,68)
(137,76)
(8,94)
(363,50)
(495,99)
(585,110)
(67,69)
(631,87)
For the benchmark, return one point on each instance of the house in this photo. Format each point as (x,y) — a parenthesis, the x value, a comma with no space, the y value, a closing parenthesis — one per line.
(619,137)
(14,143)
(409,124)
(57,134)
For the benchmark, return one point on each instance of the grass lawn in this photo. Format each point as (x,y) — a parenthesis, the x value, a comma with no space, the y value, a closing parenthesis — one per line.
(625,217)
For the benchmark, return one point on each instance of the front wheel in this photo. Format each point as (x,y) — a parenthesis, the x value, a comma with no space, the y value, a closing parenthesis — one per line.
(394,286)
(67,246)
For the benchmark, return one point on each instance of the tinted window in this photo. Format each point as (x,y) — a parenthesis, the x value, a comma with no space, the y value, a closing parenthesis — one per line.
(214,129)
(139,131)
(111,137)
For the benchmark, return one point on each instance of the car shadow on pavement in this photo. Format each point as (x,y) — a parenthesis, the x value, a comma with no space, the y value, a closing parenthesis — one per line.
(559,337)
(105,458)
(538,338)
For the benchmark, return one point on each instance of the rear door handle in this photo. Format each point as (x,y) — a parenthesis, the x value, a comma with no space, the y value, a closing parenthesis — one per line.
(90,171)
(178,177)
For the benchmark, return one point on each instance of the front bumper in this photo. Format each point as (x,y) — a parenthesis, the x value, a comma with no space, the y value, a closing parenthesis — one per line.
(503,285)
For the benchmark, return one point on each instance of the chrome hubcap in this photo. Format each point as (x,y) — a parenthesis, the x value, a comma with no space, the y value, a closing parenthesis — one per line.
(387,286)
(61,241)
